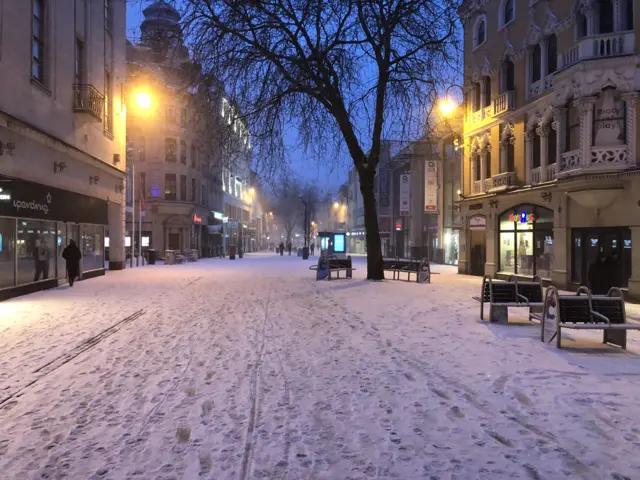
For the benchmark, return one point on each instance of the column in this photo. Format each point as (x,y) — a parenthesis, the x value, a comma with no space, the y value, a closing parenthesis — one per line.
(559,125)
(544,55)
(528,155)
(503,154)
(116,219)
(561,262)
(482,88)
(417,205)
(543,131)
(618,23)
(586,128)
(483,168)
(630,102)
(473,176)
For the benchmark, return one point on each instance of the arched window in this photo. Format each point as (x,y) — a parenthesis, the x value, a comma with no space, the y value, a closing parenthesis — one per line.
(628,15)
(477,164)
(605,16)
(581,26)
(526,241)
(573,128)
(552,147)
(487,92)
(509,12)
(552,54)
(487,165)
(536,60)
(508,79)
(477,97)
(609,119)
(537,149)
(479,31)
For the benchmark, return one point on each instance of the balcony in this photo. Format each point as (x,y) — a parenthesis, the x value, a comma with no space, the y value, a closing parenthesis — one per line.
(612,158)
(540,175)
(598,46)
(502,181)
(87,99)
(504,102)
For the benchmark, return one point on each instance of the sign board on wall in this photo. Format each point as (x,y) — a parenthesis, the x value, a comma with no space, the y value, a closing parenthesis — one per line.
(477,222)
(405,194)
(431,187)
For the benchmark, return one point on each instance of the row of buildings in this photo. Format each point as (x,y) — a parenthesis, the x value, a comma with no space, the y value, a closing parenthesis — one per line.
(538,175)
(101,138)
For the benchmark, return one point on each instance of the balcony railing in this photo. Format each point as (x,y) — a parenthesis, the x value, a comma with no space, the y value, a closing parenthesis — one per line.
(477,187)
(617,156)
(497,182)
(87,99)
(541,175)
(570,160)
(552,172)
(536,175)
(503,102)
(598,46)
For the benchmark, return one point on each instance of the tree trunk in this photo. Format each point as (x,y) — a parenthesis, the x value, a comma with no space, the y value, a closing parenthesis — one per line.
(374,247)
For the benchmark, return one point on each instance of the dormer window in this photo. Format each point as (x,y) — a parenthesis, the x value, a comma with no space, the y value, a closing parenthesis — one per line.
(480,32)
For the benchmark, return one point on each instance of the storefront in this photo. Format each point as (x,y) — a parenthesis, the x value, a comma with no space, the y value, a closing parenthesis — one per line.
(614,244)
(451,245)
(36,224)
(526,241)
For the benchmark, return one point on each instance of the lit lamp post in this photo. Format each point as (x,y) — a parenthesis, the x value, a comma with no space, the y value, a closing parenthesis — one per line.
(305,249)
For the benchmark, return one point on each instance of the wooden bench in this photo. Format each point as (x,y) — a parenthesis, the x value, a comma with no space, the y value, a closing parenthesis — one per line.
(501,294)
(399,266)
(327,266)
(584,311)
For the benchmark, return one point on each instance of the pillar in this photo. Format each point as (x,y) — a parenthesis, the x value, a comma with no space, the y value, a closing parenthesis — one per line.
(116,219)
(631,102)
(417,206)
(543,131)
(491,265)
(559,125)
(544,56)
(473,176)
(561,266)
(503,155)
(528,154)
(483,168)
(585,105)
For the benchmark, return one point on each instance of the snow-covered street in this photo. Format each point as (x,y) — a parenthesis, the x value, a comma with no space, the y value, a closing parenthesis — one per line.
(250,369)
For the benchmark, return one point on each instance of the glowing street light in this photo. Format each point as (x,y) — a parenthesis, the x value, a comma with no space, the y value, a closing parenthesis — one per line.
(336,205)
(252,191)
(143,100)
(447,107)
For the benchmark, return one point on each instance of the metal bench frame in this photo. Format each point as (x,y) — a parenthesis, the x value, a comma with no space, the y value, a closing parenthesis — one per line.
(330,269)
(521,301)
(406,266)
(613,333)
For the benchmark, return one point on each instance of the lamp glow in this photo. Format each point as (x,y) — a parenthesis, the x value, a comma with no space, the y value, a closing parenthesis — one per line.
(447,107)
(143,100)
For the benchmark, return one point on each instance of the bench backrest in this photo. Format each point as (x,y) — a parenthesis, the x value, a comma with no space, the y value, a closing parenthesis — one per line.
(398,264)
(503,292)
(574,309)
(610,307)
(340,263)
(532,291)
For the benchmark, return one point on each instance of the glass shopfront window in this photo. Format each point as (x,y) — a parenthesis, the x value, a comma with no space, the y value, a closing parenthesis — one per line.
(92,247)
(7,252)
(36,245)
(526,241)
(451,246)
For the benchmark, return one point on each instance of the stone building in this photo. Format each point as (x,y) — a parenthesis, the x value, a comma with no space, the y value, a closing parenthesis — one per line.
(177,178)
(62,139)
(550,174)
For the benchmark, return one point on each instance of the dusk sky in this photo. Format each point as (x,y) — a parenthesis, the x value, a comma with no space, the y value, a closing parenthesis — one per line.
(328,175)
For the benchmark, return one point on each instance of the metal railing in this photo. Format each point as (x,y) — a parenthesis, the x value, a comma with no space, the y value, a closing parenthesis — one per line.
(87,99)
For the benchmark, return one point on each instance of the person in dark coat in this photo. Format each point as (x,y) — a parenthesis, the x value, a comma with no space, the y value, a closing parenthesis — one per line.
(72,255)
(312,247)
(289,247)
(598,276)
(281,248)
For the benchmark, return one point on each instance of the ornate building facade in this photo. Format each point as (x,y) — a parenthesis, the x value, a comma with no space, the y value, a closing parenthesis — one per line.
(550,139)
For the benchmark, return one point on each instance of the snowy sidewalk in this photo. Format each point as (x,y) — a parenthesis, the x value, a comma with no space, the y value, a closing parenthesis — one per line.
(251,369)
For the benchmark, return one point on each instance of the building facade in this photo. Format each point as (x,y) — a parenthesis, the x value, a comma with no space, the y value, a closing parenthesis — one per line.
(62,139)
(176,185)
(550,139)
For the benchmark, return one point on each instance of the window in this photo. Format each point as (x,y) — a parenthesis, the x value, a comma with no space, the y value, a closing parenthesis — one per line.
(552,54)
(508,12)
(92,245)
(537,144)
(108,102)
(183,118)
(170,115)
(170,186)
(36,249)
(477,164)
(107,16)
(480,32)
(508,77)
(193,189)
(573,128)
(170,147)
(609,119)
(536,59)
(477,97)
(487,165)
(142,149)
(526,241)
(183,152)
(194,155)
(7,252)
(487,91)
(79,62)
(628,15)
(143,185)
(605,16)
(511,157)
(37,42)
(183,188)
(552,147)
(203,194)
(581,26)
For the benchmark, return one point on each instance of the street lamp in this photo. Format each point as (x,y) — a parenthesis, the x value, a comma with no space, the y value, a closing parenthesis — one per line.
(143,100)
(447,104)
(305,249)
(336,205)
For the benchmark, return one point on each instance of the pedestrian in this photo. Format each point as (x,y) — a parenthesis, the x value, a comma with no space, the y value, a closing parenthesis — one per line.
(312,248)
(281,247)
(289,247)
(41,257)
(597,276)
(72,256)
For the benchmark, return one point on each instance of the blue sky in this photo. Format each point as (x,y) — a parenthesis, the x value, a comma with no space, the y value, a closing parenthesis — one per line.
(328,175)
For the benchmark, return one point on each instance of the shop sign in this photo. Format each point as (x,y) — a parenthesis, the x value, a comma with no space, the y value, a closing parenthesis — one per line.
(33,200)
(475,206)
(197,219)
(524,217)
(384,188)
(431,187)
(405,194)
(477,222)
(217,215)
(398,225)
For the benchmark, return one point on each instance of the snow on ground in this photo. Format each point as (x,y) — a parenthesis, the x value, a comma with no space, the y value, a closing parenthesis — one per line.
(252,370)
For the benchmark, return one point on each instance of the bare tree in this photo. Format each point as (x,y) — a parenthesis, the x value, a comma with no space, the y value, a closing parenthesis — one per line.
(344,72)
(287,205)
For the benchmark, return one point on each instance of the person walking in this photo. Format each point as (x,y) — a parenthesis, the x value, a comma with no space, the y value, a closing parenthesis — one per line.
(289,246)
(281,247)
(312,247)
(72,256)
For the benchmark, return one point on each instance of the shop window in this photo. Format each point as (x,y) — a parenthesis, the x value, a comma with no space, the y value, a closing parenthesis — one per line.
(552,54)
(609,120)
(7,252)
(487,91)
(552,147)
(170,186)
(92,247)
(508,77)
(536,63)
(36,249)
(537,148)
(526,241)
(573,128)
(605,16)
(170,150)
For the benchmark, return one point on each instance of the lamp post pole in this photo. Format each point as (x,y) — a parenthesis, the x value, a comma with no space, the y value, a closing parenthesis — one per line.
(305,249)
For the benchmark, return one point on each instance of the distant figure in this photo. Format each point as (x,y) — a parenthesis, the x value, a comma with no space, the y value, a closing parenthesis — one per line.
(72,255)
(289,246)
(41,257)
(312,249)
(281,247)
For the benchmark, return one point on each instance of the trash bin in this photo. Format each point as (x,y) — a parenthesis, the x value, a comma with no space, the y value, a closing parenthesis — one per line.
(232,252)
(152,256)
(305,253)
(240,253)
